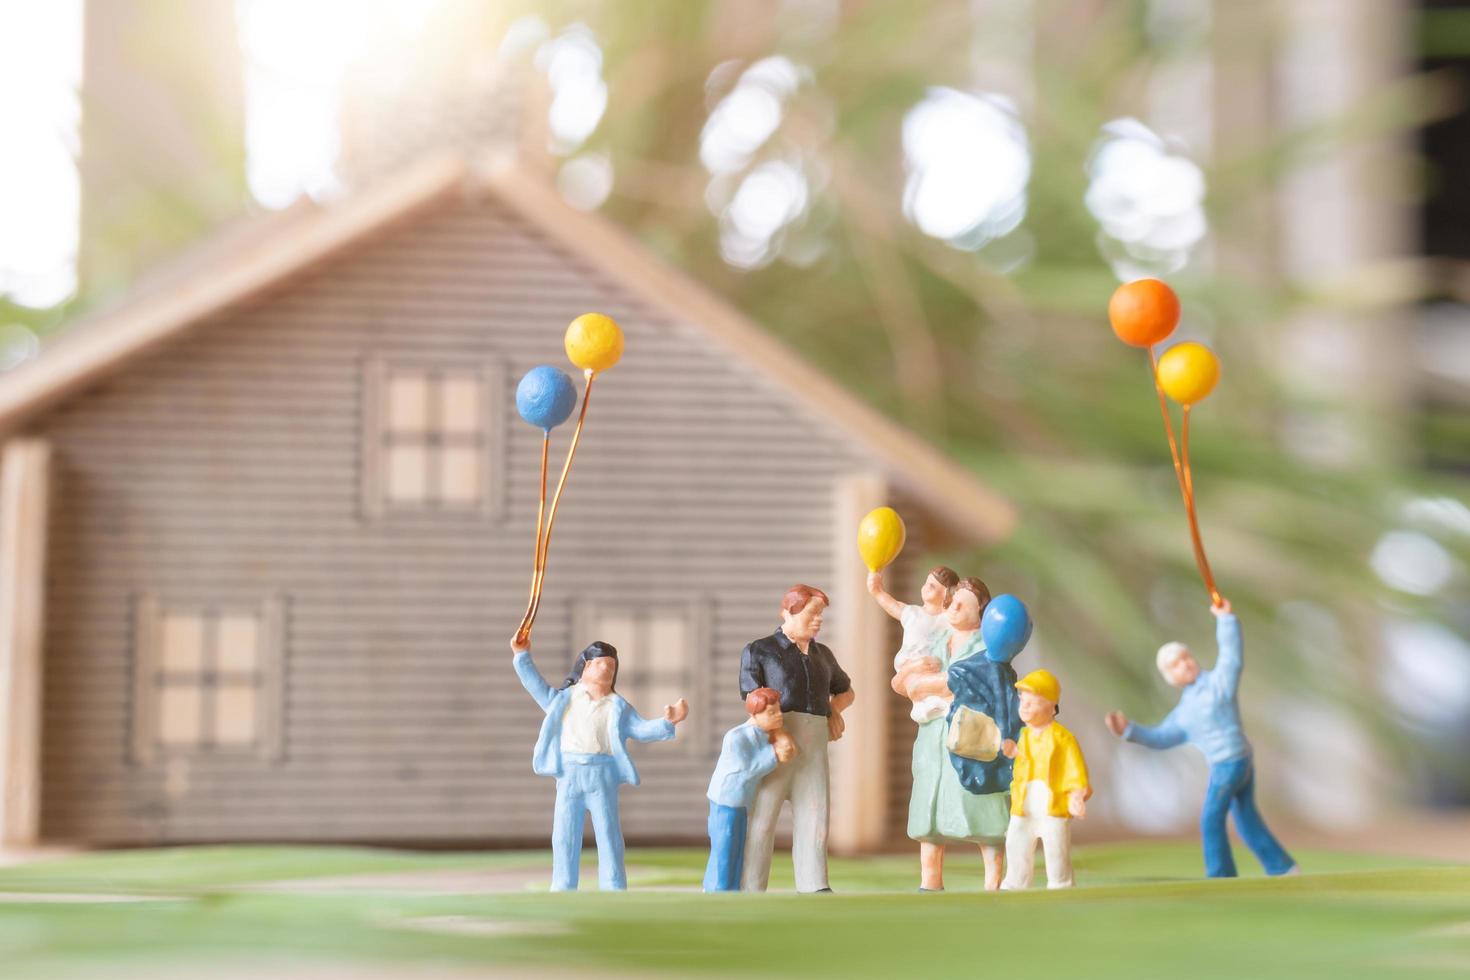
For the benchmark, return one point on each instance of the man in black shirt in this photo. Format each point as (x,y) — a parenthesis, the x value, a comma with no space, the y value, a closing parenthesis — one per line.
(814,692)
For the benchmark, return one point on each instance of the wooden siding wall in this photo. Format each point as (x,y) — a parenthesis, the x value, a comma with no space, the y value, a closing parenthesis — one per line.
(225,470)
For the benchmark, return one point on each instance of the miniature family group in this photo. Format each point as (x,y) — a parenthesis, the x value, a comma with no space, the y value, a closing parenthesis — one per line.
(992,766)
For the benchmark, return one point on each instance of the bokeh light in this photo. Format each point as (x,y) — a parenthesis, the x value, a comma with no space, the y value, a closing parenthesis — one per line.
(572,62)
(968,162)
(1148,199)
(40,198)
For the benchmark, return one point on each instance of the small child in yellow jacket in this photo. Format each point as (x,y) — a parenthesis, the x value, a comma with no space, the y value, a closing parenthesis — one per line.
(1048,787)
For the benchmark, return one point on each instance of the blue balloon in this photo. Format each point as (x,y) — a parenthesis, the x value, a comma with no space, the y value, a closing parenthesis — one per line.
(546,396)
(1005,628)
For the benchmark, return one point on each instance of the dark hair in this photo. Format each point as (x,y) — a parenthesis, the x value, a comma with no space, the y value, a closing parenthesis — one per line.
(796,598)
(593,651)
(947,577)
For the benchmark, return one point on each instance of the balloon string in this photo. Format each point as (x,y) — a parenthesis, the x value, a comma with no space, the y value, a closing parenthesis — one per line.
(523,632)
(1199,545)
(539,578)
(1180,455)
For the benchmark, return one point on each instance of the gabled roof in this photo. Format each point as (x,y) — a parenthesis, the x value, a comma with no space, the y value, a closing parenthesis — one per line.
(103,344)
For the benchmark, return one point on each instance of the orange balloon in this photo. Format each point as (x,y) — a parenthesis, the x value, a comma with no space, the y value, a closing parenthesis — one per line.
(1143,312)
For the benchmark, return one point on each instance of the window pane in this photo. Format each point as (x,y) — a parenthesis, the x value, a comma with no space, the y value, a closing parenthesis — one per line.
(236,649)
(408,403)
(234,714)
(179,713)
(181,644)
(668,643)
(408,471)
(460,405)
(459,474)
(620,631)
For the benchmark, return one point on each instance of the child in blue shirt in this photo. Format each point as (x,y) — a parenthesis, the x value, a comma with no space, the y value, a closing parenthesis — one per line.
(750,751)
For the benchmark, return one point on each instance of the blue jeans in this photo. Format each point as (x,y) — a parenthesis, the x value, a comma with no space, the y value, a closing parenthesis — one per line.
(588,784)
(1232,791)
(726,848)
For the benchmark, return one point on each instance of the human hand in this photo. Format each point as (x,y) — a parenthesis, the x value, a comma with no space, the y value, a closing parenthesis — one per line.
(677,711)
(1077,803)
(519,646)
(835,726)
(785,747)
(1223,609)
(1008,748)
(928,665)
(875,582)
(1117,722)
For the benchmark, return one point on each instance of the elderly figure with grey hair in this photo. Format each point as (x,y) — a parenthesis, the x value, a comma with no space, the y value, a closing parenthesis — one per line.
(1208,717)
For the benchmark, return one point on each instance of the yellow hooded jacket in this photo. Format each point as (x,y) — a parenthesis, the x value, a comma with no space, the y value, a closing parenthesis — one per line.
(1053,756)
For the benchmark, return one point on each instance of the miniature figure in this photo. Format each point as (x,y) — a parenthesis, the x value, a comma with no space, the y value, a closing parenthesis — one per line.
(941,810)
(583,743)
(814,692)
(1208,717)
(921,625)
(750,751)
(1048,788)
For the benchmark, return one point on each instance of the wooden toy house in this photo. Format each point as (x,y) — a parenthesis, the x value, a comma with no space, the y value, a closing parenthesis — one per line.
(266,529)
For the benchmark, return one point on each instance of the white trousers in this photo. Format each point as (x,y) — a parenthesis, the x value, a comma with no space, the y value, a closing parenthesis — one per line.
(1054,833)
(803,781)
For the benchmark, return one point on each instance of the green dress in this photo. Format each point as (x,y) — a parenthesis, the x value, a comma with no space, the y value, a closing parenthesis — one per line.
(941,811)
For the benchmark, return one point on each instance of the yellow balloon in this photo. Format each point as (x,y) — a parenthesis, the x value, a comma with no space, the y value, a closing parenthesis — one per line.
(881,535)
(1188,372)
(594,342)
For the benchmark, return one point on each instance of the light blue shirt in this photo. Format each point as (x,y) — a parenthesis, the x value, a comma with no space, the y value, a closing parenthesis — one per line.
(1207,715)
(746,756)
(623,723)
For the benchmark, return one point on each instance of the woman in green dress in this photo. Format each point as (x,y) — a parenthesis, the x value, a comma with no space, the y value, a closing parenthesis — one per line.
(941,811)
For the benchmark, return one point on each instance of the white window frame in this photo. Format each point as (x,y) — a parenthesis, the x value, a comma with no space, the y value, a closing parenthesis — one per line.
(377,436)
(690,681)
(150,678)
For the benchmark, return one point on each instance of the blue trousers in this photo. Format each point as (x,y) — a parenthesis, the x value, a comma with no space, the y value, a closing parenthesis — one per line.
(588,784)
(1232,791)
(726,848)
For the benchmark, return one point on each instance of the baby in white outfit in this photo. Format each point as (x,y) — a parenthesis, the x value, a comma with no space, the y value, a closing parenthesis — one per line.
(919,632)
(922,625)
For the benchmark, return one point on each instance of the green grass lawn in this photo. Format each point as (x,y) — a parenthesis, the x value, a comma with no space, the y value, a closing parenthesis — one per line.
(1139,911)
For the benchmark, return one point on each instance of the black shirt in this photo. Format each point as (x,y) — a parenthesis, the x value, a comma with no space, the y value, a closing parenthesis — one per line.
(805,681)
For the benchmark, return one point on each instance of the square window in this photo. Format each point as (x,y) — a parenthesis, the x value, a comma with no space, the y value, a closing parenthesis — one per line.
(235,714)
(182,644)
(236,650)
(459,400)
(207,682)
(408,474)
(408,404)
(180,714)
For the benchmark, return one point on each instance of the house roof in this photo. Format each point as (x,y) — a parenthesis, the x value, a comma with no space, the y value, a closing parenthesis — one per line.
(262,264)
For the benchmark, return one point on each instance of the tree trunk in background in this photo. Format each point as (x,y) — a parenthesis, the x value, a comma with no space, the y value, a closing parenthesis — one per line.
(162,135)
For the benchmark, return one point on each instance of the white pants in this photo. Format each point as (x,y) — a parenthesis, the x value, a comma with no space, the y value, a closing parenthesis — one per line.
(803,781)
(1055,834)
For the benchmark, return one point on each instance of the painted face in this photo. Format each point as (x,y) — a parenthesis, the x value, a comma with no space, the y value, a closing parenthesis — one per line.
(803,627)
(768,720)
(931,592)
(1035,709)
(963,612)
(1183,670)
(599,672)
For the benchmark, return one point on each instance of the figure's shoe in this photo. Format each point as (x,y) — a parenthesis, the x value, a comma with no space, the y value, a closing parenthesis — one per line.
(927,709)
(930,891)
